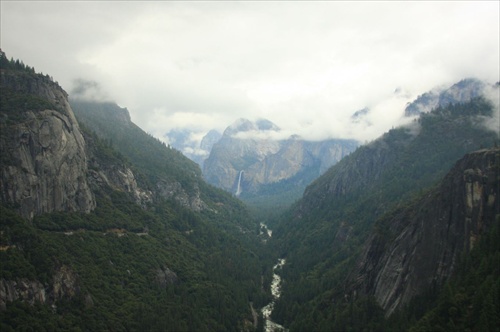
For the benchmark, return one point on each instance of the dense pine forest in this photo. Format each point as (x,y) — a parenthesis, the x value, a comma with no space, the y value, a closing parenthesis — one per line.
(160,266)
(323,235)
(156,248)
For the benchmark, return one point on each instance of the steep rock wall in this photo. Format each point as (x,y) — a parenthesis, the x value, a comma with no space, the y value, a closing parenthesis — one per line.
(420,245)
(266,161)
(44,164)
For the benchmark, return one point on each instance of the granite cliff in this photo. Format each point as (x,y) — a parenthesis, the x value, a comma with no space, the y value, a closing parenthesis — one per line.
(330,271)
(104,227)
(44,162)
(419,246)
(64,285)
(165,168)
(47,162)
(252,150)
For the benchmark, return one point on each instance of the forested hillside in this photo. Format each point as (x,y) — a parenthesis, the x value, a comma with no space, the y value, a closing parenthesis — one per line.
(104,227)
(324,233)
(158,249)
(113,125)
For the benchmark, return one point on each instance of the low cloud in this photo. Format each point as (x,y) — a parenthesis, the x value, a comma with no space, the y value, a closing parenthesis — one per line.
(87,90)
(306,66)
(493,95)
(272,135)
(196,151)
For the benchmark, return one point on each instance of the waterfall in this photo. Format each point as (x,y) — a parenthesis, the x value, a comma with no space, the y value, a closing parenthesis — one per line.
(238,189)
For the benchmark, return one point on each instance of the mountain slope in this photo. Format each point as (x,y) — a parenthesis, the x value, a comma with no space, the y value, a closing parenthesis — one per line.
(159,249)
(323,234)
(165,169)
(420,245)
(460,92)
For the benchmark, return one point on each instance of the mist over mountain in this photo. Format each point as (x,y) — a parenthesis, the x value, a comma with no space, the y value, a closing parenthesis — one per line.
(250,159)
(105,227)
(325,232)
(460,92)
(191,145)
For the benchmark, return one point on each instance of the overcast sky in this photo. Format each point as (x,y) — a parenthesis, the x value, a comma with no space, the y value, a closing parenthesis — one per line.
(306,66)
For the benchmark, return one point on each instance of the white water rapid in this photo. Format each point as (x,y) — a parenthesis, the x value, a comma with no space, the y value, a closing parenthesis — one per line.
(238,189)
(268,231)
(271,326)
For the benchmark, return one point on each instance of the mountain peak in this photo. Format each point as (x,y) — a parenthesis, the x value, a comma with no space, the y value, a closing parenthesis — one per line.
(264,124)
(460,92)
(245,125)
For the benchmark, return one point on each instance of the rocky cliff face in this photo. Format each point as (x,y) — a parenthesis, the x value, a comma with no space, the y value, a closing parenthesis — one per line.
(251,148)
(44,164)
(64,285)
(420,245)
(164,277)
(114,174)
(175,190)
(30,291)
(113,124)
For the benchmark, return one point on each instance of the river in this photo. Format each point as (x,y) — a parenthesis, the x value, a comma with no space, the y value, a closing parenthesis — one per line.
(271,326)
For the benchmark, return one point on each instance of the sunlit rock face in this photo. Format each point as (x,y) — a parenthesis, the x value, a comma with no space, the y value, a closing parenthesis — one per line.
(44,163)
(257,149)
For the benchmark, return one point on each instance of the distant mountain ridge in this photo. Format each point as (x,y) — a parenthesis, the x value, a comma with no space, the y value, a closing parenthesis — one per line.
(186,141)
(254,150)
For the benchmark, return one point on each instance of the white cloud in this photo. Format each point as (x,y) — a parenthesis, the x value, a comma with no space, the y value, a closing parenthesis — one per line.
(493,122)
(307,66)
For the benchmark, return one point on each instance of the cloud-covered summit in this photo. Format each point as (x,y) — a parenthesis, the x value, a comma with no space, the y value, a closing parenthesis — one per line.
(306,66)
(87,90)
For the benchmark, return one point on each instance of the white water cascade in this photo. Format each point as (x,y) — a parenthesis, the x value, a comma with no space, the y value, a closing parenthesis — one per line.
(271,326)
(238,188)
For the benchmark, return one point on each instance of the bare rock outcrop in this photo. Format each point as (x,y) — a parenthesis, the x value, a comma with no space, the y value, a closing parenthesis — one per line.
(255,149)
(174,190)
(44,164)
(420,245)
(29,291)
(65,284)
(164,277)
